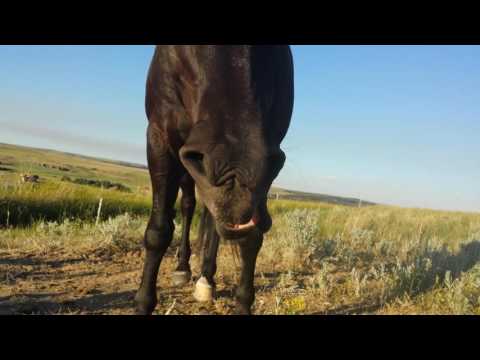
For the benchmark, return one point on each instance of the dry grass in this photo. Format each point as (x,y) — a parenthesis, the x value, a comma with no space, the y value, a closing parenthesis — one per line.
(318,259)
(377,259)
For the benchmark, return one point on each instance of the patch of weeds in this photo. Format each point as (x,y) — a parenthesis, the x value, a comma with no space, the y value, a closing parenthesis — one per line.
(294,306)
(121,234)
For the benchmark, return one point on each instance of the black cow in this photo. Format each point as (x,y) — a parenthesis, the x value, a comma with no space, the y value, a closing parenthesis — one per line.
(217,116)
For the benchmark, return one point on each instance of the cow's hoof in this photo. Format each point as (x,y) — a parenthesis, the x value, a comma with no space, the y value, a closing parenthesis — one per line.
(144,305)
(204,292)
(144,309)
(142,312)
(181,278)
(242,311)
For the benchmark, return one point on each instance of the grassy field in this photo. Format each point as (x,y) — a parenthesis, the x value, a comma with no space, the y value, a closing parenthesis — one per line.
(319,258)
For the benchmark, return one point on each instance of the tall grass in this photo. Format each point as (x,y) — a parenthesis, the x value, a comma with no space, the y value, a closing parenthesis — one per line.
(324,258)
(25,204)
(378,258)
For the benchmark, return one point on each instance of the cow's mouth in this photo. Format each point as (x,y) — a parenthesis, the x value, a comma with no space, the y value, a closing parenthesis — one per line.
(235,231)
(247,226)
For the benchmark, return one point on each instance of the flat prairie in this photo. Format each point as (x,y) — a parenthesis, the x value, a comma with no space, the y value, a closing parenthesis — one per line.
(61,254)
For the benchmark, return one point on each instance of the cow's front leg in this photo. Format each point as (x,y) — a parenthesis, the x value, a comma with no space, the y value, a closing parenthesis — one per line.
(165,176)
(245,293)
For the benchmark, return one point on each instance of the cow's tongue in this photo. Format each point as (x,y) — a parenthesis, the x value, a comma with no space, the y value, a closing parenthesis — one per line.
(253,222)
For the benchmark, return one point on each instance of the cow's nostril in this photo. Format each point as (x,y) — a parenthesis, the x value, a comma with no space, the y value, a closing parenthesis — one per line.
(193,156)
(195,160)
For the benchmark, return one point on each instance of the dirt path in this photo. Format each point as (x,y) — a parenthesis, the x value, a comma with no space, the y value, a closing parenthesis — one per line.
(67,283)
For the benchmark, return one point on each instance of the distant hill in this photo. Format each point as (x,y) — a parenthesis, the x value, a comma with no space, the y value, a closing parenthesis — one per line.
(54,164)
(303,196)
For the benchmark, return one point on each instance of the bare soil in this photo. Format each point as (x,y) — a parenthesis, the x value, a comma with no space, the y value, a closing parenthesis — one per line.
(64,282)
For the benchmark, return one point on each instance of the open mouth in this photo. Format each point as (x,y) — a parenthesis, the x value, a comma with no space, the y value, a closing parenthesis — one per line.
(240,227)
(243,227)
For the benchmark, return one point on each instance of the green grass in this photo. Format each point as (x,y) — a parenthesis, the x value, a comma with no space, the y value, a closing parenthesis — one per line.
(25,204)
(29,161)
(54,200)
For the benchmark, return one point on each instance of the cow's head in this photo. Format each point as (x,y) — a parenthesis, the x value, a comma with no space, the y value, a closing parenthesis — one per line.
(233,165)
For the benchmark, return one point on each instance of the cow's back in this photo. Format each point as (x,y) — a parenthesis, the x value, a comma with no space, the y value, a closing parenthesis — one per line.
(230,83)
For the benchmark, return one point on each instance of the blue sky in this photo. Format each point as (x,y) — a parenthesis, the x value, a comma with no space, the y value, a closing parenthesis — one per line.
(393,124)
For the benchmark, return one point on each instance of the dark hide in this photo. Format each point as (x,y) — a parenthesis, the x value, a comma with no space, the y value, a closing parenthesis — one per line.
(217,116)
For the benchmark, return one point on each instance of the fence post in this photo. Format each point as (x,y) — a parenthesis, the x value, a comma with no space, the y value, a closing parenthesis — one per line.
(99,211)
